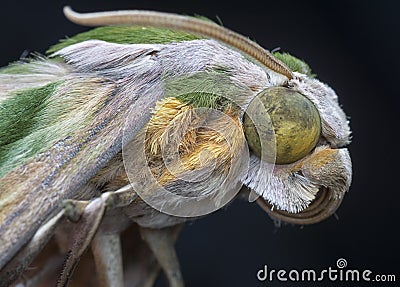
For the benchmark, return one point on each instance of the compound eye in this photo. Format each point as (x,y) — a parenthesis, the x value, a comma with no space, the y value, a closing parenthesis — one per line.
(295,120)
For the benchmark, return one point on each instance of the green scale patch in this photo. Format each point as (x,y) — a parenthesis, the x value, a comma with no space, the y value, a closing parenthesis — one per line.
(21,116)
(127,35)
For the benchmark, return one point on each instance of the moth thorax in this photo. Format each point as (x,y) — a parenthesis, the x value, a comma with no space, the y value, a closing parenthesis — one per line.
(289,121)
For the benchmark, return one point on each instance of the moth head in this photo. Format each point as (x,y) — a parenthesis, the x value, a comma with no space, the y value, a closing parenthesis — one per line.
(301,123)
(312,169)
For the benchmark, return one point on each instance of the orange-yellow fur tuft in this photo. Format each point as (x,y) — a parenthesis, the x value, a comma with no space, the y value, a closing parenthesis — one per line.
(198,146)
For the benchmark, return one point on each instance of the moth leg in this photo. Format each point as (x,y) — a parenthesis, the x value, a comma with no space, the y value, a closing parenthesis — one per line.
(21,261)
(161,243)
(106,245)
(108,259)
(88,224)
(81,237)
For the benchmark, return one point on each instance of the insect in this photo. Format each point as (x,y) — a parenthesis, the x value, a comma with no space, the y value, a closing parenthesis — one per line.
(146,122)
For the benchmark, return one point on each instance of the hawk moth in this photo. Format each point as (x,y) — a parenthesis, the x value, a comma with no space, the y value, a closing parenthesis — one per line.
(155,119)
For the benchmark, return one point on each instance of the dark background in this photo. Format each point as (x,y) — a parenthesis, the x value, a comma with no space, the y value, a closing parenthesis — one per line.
(352,46)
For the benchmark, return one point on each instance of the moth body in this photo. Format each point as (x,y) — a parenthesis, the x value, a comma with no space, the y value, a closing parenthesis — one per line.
(145,126)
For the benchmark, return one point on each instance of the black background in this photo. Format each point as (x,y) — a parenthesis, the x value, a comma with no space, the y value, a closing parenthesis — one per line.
(352,46)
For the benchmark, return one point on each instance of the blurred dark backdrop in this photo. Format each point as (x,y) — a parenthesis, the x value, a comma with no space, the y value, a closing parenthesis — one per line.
(352,46)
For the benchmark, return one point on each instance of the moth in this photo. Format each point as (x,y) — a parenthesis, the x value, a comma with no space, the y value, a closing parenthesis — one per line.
(148,121)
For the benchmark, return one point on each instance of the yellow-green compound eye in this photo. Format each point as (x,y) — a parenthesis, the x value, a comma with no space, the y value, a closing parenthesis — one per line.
(295,120)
